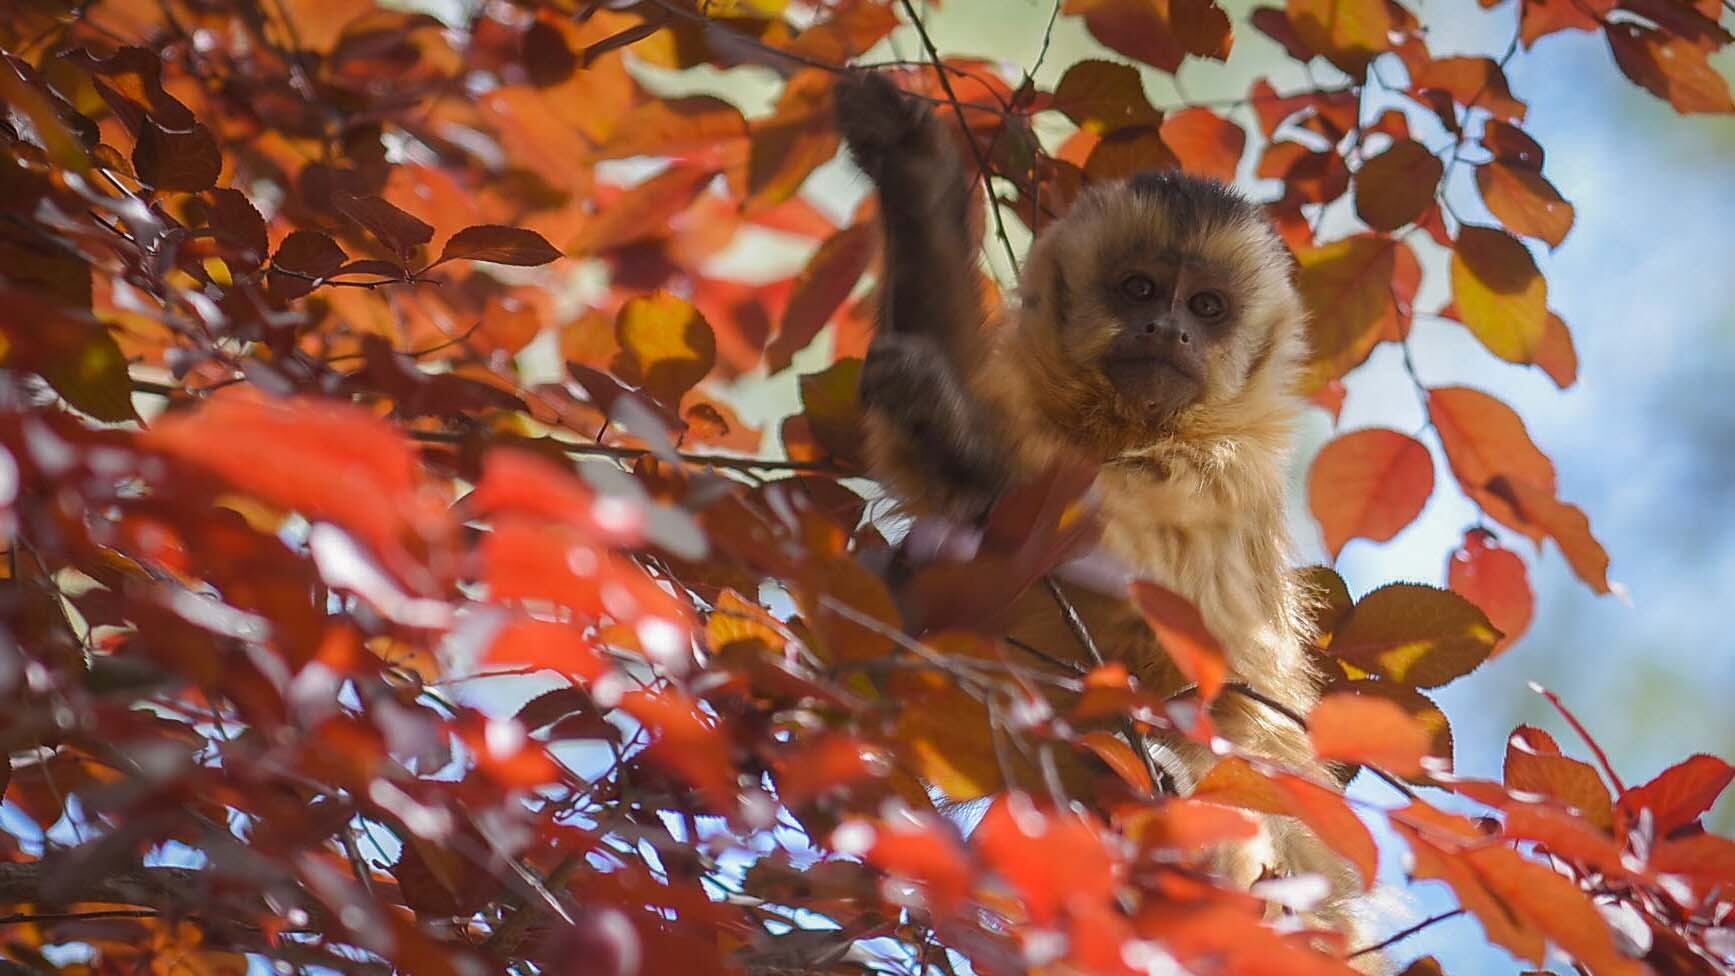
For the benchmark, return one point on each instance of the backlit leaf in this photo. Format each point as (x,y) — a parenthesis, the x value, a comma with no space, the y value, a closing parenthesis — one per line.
(1184,636)
(1047,856)
(1680,794)
(799,135)
(1494,579)
(1103,97)
(1525,202)
(1346,286)
(1558,778)
(666,345)
(187,160)
(499,245)
(393,227)
(1499,294)
(1361,729)
(1369,484)
(1350,33)
(829,277)
(1671,68)
(1484,439)
(1205,143)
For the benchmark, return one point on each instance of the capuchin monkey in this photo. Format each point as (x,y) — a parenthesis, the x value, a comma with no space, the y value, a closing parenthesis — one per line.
(1157,335)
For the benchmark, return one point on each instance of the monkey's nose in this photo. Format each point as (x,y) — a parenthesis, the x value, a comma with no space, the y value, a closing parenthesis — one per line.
(1165,334)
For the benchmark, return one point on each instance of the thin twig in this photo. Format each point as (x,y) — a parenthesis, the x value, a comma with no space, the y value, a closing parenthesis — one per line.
(1406,933)
(984,170)
(45,918)
(633,453)
(1161,782)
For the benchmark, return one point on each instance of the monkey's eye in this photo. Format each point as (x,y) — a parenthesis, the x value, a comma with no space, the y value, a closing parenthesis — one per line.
(1138,287)
(1207,304)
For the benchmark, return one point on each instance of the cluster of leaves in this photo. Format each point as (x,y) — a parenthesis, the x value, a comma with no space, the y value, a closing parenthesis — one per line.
(247,638)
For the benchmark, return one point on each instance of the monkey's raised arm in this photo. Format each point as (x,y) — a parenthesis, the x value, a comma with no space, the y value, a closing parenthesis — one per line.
(927,434)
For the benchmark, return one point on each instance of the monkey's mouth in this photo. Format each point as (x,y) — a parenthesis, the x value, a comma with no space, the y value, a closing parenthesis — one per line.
(1150,368)
(1158,385)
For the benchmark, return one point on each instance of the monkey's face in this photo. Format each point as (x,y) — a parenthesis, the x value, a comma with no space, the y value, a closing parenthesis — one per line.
(1163,318)
(1155,301)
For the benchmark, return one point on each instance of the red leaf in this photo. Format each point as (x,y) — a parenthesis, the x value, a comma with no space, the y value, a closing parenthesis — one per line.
(828,763)
(523,483)
(1566,781)
(831,274)
(1672,68)
(1565,523)
(329,461)
(1369,484)
(1706,859)
(1184,636)
(1543,17)
(1362,729)
(1104,97)
(1495,580)
(498,245)
(1679,795)
(686,742)
(1049,857)
(525,641)
(923,849)
(1471,82)
(797,138)
(1565,836)
(1191,825)
(643,212)
(1328,815)
(187,160)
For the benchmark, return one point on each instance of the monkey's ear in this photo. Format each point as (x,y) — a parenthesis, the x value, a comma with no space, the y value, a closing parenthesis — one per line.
(1042,289)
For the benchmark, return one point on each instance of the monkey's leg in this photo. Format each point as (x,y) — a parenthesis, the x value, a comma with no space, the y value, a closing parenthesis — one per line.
(928,435)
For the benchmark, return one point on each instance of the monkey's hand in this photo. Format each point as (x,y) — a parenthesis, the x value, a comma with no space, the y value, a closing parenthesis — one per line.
(929,430)
(882,125)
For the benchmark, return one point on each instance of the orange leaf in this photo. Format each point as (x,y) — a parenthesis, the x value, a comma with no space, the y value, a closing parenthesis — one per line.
(1563,780)
(1499,293)
(1679,795)
(1184,636)
(1477,82)
(1328,815)
(1350,33)
(825,764)
(1565,836)
(799,135)
(1120,757)
(1369,484)
(1484,440)
(1543,17)
(1347,287)
(1137,29)
(1672,68)
(1495,580)
(1554,905)
(1360,729)
(667,347)
(1235,782)
(1525,201)
(1705,859)
(674,127)
(1191,825)
(1421,709)
(1565,523)
(1556,355)
(643,212)
(1395,187)
(1047,856)
(1205,143)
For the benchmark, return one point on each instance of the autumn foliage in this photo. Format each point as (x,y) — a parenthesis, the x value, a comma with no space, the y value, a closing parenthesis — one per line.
(360,370)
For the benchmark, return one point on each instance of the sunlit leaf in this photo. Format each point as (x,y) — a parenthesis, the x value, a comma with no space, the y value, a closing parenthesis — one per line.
(1361,729)
(1347,288)
(1103,97)
(1415,634)
(666,345)
(1525,201)
(1350,33)
(1047,856)
(1184,636)
(829,277)
(178,159)
(1679,795)
(1205,142)
(1494,579)
(1558,778)
(1499,293)
(1369,484)
(1484,439)
(1671,68)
